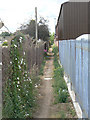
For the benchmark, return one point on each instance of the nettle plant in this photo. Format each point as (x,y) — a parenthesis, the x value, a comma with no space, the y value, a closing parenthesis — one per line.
(19,99)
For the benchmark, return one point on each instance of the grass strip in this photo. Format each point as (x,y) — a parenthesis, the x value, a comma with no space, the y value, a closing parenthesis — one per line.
(59,85)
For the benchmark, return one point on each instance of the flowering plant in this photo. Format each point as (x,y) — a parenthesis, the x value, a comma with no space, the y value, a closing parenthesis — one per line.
(45,52)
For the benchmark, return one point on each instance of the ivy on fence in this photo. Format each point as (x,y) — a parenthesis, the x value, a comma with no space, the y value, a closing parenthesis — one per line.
(18,93)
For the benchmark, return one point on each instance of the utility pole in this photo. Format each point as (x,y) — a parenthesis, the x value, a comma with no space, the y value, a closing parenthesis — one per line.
(36,27)
(36,24)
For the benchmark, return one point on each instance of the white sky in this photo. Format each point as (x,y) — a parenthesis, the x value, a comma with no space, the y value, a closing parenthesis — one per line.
(16,12)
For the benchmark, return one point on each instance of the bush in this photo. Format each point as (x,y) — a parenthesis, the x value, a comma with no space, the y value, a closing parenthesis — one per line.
(5,44)
(60,86)
(55,49)
(52,39)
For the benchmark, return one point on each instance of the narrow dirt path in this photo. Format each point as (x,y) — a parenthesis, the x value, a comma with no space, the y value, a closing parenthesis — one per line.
(46,90)
(46,100)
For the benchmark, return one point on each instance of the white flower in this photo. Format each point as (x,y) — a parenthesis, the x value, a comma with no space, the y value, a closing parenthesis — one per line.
(10,62)
(17,78)
(20,40)
(26,114)
(26,75)
(15,58)
(25,71)
(20,37)
(15,45)
(0,63)
(22,61)
(29,79)
(5,40)
(19,89)
(18,82)
(5,46)
(18,96)
(17,85)
(24,53)
(36,86)
(63,91)
(19,67)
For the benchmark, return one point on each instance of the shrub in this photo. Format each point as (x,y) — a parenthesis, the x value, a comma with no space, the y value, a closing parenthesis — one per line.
(55,49)
(5,44)
(63,96)
(60,86)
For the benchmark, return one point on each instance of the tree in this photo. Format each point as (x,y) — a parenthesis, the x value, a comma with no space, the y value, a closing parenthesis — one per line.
(5,34)
(30,29)
(43,31)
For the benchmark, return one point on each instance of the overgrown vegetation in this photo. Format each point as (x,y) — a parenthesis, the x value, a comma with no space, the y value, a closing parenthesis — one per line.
(18,94)
(55,50)
(71,111)
(20,91)
(42,67)
(5,44)
(52,38)
(43,30)
(60,86)
(4,34)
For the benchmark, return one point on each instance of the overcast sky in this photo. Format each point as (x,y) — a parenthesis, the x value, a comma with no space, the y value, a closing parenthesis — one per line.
(16,12)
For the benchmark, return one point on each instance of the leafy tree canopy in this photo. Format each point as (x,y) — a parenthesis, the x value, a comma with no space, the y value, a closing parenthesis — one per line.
(43,30)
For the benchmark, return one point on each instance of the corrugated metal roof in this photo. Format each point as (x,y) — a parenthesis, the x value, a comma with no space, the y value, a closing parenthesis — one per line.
(73,20)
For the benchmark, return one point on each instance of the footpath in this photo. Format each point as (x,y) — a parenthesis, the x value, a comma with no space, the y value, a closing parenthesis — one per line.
(46,105)
(46,90)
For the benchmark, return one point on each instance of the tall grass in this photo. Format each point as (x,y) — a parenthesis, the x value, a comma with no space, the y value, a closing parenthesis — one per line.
(59,85)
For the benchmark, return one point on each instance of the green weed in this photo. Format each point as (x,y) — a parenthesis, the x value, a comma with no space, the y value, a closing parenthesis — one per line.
(42,67)
(60,86)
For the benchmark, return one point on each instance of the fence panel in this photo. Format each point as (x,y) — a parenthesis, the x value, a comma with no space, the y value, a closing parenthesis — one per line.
(74,57)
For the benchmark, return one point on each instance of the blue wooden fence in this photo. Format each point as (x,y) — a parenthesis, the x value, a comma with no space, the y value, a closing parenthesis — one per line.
(75,58)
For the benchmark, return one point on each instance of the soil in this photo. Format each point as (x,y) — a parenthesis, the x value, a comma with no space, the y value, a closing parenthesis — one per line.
(46,106)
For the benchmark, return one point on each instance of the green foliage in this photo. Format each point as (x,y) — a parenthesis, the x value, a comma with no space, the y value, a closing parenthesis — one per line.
(5,44)
(43,30)
(3,34)
(18,100)
(62,114)
(52,39)
(42,67)
(55,49)
(71,110)
(60,86)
